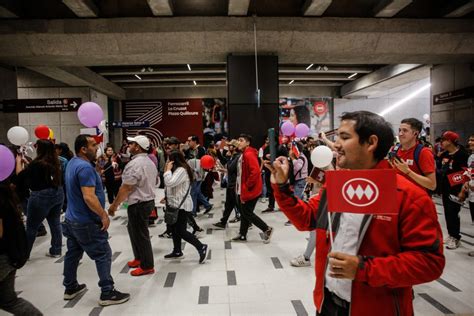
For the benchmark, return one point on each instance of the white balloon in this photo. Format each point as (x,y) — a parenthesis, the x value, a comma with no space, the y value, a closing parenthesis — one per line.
(18,135)
(321,156)
(426,116)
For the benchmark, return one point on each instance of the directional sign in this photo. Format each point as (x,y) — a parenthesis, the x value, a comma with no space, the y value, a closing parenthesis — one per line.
(132,124)
(41,105)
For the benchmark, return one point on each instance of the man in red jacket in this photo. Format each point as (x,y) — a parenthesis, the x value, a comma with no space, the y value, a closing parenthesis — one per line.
(248,189)
(375,260)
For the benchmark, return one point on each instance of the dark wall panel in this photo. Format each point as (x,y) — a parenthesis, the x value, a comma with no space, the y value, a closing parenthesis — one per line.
(248,119)
(241,79)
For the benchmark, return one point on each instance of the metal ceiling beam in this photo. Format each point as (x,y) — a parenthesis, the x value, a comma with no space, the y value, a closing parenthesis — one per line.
(82,76)
(82,8)
(331,69)
(166,78)
(467,8)
(390,8)
(311,77)
(173,85)
(377,76)
(161,7)
(238,7)
(315,7)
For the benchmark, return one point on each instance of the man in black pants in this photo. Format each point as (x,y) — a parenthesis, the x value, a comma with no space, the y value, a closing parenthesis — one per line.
(138,186)
(230,196)
(248,190)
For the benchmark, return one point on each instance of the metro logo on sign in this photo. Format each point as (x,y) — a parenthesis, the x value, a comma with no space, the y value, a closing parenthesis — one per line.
(457,178)
(362,191)
(320,108)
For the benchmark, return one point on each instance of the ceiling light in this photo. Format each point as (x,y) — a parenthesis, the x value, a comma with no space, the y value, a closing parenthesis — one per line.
(325,68)
(318,68)
(291,81)
(189,67)
(402,101)
(150,69)
(352,76)
(143,69)
(309,67)
(195,83)
(138,77)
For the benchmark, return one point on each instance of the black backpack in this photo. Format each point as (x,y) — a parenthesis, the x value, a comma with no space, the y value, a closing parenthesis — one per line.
(14,237)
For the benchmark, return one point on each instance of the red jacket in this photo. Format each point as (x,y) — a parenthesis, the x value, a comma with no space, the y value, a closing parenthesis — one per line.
(251,181)
(399,251)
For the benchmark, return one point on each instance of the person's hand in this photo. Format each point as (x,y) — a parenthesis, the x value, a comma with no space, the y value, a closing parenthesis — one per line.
(292,155)
(19,159)
(279,170)
(322,136)
(112,209)
(342,265)
(163,201)
(169,166)
(105,221)
(400,165)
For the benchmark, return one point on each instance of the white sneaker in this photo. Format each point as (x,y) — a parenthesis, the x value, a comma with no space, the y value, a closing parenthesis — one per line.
(447,239)
(300,261)
(453,243)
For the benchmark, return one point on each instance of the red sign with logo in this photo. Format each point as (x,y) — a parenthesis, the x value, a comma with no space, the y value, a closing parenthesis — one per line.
(320,108)
(457,178)
(362,191)
(318,174)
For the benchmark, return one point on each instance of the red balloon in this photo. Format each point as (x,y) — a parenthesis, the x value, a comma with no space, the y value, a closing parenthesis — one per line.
(42,131)
(207,162)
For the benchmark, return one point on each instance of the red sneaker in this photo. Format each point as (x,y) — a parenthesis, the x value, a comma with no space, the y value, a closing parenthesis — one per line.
(134,263)
(140,271)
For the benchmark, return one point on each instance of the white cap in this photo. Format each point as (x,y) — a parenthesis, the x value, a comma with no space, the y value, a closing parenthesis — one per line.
(141,140)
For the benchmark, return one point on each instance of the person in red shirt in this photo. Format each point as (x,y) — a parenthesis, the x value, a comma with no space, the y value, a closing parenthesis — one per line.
(375,260)
(248,189)
(421,170)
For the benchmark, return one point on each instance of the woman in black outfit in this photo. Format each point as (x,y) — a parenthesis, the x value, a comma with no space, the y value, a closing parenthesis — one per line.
(11,225)
(112,173)
(43,177)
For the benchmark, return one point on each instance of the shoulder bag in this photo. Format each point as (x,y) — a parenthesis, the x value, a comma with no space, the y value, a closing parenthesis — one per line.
(171,213)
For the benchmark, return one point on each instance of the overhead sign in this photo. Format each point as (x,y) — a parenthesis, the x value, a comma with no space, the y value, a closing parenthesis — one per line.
(41,105)
(362,191)
(456,95)
(131,124)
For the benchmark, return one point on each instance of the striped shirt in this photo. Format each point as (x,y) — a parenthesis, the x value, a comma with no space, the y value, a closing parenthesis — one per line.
(176,185)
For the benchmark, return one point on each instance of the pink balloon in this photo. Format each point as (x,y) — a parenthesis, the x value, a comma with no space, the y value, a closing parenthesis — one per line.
(301,130)
(287,128)
(7,162)
(90,114)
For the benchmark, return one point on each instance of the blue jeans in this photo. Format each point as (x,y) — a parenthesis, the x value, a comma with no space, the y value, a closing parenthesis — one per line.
(298,188)
(47,204)
(90,238)
(198,197)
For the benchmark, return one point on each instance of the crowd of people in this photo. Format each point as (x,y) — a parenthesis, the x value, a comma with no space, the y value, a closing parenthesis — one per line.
(360,265)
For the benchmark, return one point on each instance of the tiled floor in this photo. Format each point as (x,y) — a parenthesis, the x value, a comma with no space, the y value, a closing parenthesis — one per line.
(243,280)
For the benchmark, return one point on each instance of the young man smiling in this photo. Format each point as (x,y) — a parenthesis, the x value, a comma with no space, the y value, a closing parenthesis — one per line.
(375,260)
(411,158)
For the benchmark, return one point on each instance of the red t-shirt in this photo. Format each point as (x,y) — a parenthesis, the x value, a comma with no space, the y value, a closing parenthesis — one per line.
(425,160)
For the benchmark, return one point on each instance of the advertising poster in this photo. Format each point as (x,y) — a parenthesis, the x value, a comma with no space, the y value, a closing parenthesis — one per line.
(206,118)
(314,112)
(177,117)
